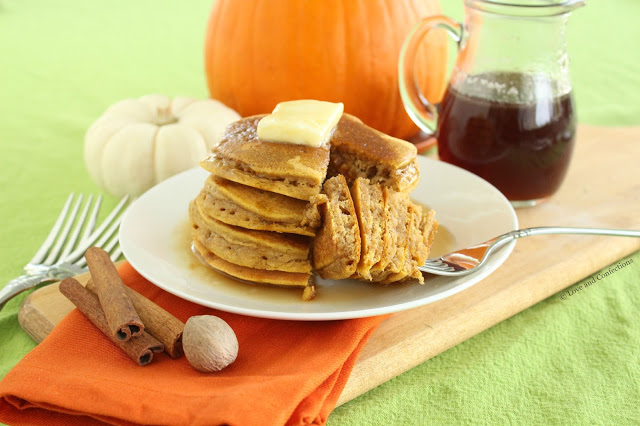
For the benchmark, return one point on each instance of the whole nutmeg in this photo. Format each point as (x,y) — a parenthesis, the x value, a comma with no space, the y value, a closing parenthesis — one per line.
(209,343)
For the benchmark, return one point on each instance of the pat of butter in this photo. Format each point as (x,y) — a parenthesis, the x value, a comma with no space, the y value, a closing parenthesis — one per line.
(304,122)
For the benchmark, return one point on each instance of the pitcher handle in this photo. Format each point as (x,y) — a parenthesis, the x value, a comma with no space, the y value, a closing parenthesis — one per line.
(421,111)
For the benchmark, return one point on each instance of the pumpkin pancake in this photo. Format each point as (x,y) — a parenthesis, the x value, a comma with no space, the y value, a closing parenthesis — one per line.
(277,278)
(294,170)
(273,212)
(358,150)
(336,247)
(250,248)
(407,235)
(423,228)
(252,208)
(429,229)
(397,221)
(389,222)
(412,243)
(368,202)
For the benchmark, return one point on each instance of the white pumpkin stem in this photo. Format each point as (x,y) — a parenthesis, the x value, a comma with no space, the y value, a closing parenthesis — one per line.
(164,116)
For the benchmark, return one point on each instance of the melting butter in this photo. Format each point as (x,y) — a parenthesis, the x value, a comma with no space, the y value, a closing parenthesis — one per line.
(303,122)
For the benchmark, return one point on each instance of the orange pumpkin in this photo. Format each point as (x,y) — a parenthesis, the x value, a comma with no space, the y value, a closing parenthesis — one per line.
(261,52)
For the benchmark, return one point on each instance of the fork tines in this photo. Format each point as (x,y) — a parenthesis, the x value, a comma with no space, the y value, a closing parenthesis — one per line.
(439,264)
(64,244)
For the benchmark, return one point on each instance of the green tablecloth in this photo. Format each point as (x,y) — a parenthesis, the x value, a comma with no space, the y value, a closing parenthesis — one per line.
(62,63)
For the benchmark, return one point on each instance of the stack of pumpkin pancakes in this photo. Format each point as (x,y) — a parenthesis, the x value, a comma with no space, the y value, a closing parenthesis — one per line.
(276,213)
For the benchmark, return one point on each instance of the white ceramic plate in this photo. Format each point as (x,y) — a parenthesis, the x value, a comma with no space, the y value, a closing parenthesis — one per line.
(154,238)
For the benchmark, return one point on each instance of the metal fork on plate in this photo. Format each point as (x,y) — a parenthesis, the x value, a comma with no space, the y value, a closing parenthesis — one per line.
(470,259)
(62,253)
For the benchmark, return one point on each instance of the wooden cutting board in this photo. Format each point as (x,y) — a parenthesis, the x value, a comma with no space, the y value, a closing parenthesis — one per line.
(602,189)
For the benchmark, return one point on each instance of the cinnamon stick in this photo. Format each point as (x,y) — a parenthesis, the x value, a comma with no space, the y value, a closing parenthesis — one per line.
(158,322)
(140,348)
(122,318)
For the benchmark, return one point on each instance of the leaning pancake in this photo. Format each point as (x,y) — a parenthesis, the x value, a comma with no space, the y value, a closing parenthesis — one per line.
(398,209)
(254,249)
(389,222)
(412,247)
(252,208)
(391,267)
(429,228)
(421,231)
(358,150)
(336,247)
(417,248)
(279,278)
(294,170)
(368,202)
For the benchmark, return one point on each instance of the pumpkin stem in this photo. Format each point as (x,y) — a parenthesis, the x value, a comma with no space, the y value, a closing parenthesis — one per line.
(164,116)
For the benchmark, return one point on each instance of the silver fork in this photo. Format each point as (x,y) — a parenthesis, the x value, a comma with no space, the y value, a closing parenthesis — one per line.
(62,253)
(470,259)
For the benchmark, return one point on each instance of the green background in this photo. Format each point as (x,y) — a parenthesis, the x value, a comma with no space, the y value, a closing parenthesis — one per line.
(62,63)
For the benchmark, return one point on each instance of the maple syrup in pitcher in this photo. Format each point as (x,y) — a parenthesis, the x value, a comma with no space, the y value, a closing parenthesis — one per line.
(508,112)
(522,146)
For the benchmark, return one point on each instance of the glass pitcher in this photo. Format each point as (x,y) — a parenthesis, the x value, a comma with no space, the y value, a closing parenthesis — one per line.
(508,112)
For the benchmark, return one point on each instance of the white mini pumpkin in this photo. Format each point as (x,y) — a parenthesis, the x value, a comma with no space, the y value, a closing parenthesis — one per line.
(137,143)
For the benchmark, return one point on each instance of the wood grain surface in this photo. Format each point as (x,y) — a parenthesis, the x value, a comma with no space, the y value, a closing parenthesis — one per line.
(602,189)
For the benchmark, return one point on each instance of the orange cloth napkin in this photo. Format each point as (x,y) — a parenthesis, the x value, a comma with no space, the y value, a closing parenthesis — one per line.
(287,372)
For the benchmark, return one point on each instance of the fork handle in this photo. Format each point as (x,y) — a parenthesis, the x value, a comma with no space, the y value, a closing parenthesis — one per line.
(542,230)
(498,242)
(547,230)
(20,284)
